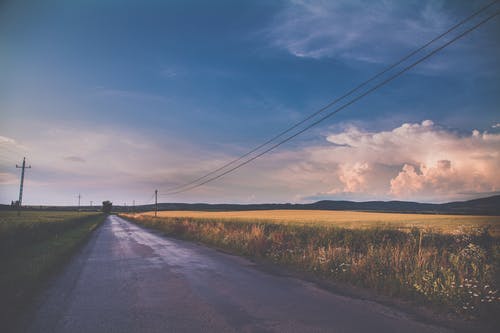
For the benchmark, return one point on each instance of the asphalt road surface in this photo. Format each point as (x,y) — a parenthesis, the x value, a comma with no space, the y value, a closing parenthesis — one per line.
(129,279)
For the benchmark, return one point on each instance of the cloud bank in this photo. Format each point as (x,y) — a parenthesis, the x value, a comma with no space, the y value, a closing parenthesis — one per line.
(414,161)
(420,161)
(101,163)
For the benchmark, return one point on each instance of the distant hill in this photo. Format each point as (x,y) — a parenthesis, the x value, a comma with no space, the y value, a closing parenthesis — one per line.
(483,206)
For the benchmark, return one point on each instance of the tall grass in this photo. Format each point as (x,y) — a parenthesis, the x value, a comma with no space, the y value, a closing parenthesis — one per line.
(457,272)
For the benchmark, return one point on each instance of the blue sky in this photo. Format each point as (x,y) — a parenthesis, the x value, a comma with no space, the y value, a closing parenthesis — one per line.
(113,99)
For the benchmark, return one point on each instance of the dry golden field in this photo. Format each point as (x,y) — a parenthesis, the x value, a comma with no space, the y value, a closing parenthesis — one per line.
(448,224)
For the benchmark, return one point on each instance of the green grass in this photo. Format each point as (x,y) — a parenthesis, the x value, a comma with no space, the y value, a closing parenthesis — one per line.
(33,226)
(451,272)
(32,247)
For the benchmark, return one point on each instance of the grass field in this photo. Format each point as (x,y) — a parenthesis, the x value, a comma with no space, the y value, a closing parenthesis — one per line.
(31,222)
(449,224)
(449,262)
(32,246)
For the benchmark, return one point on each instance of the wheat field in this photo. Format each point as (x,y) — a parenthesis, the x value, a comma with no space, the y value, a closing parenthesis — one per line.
(449,224)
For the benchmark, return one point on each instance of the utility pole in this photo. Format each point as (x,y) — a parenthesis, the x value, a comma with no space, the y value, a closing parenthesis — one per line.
(133,207)
(156,203)
(91,203)
(79,197)
(23,166)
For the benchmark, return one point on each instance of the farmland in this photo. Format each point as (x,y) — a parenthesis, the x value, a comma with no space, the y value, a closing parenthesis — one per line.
(34,245)
(448,262)
(448,224)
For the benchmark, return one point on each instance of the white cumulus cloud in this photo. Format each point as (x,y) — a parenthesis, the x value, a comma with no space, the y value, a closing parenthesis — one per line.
(418,161)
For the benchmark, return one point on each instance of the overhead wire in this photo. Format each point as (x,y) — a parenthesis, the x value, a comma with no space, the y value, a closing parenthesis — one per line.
(329,105)
(377,86)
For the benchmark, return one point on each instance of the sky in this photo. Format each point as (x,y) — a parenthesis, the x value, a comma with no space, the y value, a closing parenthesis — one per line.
(114,99)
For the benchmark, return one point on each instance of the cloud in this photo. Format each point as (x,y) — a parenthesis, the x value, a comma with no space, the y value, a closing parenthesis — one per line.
(74,159)
(7,178)
(11,144)
(415,161)
(497,125)
(353,176)
(439,178)
(169,72)
(355,29)
(130,94)
(111,163)
(6,140)
(12,151)
(375,31)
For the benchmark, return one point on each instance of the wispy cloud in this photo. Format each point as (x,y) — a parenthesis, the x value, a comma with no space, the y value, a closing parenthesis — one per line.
(364,31)
(8,178)
(76,159)
(12,150)
(129,94)
(6,140)
(169,72)
(361,30)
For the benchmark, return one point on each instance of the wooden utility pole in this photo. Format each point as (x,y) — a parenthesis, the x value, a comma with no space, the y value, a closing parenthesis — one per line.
(22,167)
(156,203)
(79,197)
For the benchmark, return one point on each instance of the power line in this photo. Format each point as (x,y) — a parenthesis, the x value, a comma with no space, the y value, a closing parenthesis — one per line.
(329,105)
(405,69)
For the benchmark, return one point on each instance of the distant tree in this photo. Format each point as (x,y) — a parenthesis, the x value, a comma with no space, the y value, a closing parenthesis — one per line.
(107,206)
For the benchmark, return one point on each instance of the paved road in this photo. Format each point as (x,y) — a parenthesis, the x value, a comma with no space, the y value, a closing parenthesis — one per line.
(128,279)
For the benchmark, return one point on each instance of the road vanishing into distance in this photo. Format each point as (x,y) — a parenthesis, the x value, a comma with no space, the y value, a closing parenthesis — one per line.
(130,279)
